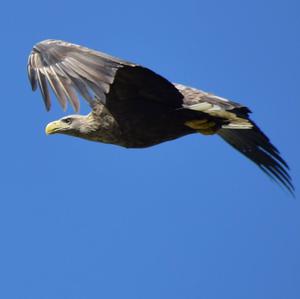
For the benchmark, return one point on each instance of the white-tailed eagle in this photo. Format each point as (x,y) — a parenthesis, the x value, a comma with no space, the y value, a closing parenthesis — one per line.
(136,108)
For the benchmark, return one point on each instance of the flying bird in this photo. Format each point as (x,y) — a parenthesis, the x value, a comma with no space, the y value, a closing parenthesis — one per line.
(133,107)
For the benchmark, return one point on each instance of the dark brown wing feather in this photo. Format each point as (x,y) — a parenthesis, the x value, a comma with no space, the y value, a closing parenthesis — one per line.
(256,146)
(251,142)
(70,68)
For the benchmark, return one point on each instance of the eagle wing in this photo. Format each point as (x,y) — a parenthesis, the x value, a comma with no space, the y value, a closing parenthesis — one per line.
(240,132)
(73,70)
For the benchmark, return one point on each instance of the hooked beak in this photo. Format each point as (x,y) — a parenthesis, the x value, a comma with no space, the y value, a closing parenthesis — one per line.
(53,127)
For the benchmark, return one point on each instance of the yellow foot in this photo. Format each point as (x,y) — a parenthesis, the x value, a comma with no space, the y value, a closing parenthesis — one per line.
(203,126)
(200,124)
(208,131)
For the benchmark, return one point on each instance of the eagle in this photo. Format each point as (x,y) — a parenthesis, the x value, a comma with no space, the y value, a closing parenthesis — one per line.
(134,107)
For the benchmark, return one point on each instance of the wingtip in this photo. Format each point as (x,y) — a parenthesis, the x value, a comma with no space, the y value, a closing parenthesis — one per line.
(76,107)
(47,106)
(32,77)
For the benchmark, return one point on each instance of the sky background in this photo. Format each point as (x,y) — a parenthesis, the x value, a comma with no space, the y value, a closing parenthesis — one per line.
(186,219)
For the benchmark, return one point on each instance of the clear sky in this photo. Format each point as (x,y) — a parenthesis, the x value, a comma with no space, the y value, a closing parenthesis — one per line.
(186,219)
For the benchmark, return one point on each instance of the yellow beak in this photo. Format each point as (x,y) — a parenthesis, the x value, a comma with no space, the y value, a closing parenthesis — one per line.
(53,127)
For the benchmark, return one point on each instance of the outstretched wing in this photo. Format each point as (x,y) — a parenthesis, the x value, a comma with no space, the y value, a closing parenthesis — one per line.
(240,132)
(71,70)
(256,146)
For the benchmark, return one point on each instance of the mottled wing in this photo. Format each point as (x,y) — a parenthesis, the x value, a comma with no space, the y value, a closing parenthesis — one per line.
(68,69)
(71,70)
(234,114)
(240,132)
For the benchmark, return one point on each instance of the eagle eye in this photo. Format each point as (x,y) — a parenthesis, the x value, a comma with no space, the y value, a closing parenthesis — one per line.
(67,120)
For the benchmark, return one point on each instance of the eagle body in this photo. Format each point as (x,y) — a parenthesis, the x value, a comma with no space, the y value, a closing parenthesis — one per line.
(133,107)
(101,126)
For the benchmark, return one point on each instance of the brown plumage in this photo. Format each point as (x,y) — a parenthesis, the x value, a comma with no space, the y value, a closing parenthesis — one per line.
(134,107)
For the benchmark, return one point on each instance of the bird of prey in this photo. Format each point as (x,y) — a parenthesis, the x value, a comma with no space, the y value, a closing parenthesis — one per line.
(134,107)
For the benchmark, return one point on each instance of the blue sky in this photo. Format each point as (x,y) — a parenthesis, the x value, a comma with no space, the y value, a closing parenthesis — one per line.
(186,219)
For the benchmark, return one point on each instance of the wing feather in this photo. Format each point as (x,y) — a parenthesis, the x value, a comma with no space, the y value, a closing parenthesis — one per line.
(42,83)
(255,145)
(240,132)
(58,91)
(69,68)
(32,73)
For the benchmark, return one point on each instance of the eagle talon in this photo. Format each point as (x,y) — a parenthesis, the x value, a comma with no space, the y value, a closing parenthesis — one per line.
(202,124)
(207,132)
